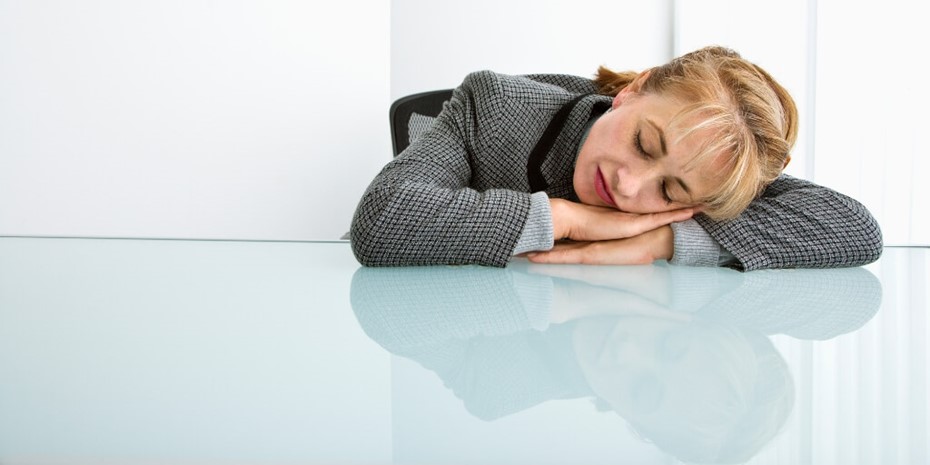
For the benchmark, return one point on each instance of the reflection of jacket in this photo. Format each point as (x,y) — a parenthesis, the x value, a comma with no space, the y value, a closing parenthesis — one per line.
(477,329)
(486,332)
(460,194)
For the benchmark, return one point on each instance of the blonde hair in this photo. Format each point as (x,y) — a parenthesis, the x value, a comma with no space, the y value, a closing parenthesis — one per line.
(753,118)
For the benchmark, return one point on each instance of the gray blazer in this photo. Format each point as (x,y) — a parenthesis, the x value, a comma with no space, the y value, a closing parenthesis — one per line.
(459,194)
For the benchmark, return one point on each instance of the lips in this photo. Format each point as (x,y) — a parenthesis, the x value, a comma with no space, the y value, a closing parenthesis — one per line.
(600,186)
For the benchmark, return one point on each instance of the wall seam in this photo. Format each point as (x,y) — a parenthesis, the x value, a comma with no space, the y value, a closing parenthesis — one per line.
(811,105)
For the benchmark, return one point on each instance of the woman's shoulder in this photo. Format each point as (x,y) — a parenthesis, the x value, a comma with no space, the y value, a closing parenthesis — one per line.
(533,89)
(569,82)
(785,182)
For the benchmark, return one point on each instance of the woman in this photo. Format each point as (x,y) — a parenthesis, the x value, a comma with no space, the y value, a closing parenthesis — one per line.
(680,162)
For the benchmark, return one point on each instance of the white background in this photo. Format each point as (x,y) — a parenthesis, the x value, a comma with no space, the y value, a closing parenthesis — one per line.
(266,119)
(190,118)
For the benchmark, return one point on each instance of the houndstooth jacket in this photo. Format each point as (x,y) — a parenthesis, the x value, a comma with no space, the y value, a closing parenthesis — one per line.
(459,194)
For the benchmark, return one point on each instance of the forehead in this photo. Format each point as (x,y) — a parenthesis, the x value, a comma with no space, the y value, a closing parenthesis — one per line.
(679,120)
(688,139)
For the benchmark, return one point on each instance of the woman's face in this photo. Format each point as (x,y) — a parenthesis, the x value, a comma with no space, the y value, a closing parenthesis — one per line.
(632,160)
(639,365)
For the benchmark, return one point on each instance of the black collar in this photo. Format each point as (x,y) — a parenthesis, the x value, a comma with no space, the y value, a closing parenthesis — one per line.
(534,164)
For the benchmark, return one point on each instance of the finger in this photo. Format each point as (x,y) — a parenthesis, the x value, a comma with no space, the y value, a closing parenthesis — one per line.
(592,223)
(650,221)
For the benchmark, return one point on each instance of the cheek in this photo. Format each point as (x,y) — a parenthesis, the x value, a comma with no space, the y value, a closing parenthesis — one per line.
(606,138)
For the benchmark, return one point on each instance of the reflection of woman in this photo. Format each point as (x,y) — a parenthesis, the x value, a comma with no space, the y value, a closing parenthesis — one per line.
(514,163)
(702,391)
(669,352)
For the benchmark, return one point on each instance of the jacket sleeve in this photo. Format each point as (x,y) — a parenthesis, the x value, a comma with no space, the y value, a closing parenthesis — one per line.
(421,210)
(798,224)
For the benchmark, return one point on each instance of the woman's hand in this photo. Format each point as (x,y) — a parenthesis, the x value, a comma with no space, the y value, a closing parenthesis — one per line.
(580,222)
(657,244)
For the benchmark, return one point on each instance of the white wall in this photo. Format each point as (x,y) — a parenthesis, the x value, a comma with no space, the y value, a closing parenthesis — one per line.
(255,119)
(434,44)
(267,119)
(872,110)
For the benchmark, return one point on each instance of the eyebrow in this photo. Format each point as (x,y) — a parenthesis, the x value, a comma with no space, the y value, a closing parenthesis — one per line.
(664,152)
(661,134)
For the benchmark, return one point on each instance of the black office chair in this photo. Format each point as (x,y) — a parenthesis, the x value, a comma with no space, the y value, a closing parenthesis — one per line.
(413,114)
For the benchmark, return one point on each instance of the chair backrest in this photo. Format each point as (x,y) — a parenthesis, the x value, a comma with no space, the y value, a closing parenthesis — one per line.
(413,114)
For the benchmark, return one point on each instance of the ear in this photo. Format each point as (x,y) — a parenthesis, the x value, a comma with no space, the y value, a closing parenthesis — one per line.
(620,97)
(631,89)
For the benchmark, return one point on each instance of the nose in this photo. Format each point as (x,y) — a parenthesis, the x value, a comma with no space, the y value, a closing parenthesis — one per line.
(629,182)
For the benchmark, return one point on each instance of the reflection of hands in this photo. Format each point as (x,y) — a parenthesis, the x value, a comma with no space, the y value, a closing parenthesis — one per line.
(580,222)
(648,281)
(585,291)
(572,300)
(640,249)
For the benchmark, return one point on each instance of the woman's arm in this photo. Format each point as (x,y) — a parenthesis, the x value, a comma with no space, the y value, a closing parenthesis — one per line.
(420,210)
(798,224)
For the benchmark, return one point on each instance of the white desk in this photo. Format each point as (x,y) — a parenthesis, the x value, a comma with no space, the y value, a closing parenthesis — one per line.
(195,352)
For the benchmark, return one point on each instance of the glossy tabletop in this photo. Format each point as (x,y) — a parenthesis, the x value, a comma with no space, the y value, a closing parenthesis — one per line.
(201,352)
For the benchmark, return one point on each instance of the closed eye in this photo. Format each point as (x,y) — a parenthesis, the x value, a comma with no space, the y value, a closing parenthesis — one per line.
(664,188)
(663,185)
(638,143)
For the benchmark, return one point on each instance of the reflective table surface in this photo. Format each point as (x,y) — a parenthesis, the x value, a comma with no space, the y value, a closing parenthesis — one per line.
(200,352)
